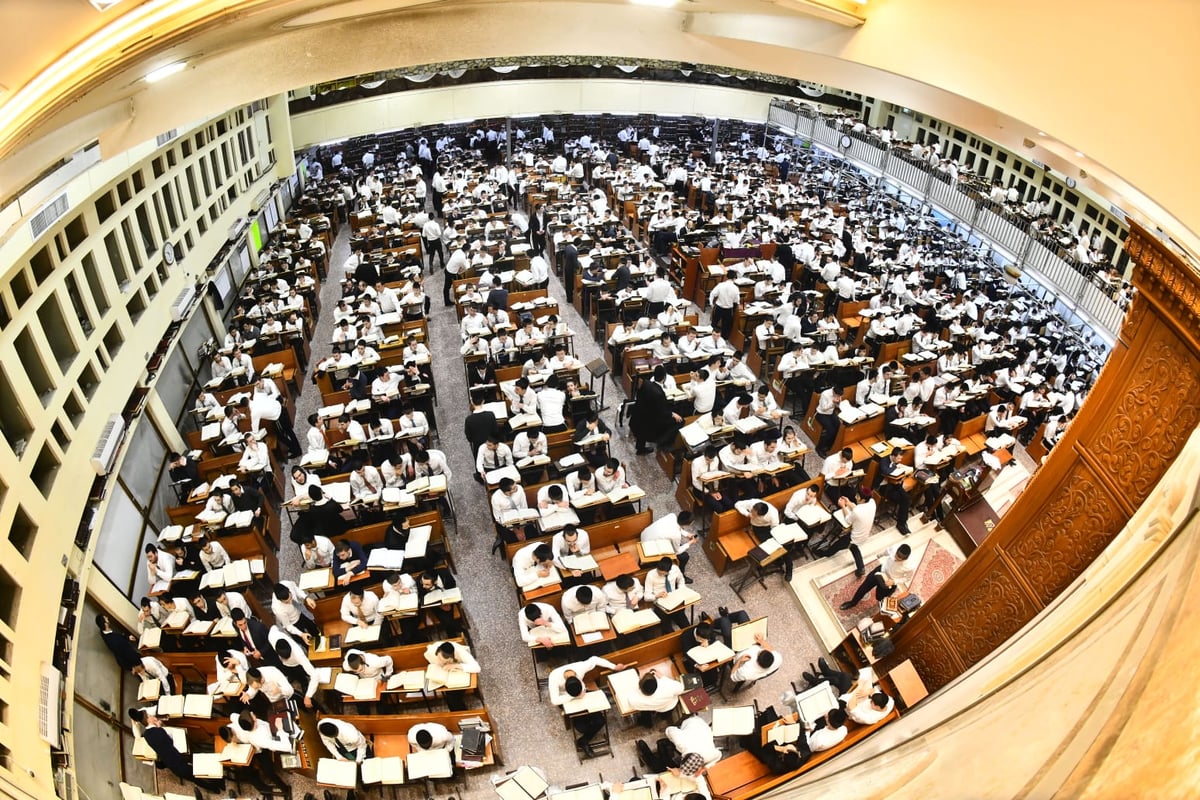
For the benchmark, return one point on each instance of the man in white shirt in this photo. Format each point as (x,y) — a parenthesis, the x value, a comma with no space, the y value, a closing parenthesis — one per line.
(654,694)
(570,541)
(295,664)
(368,665)
(894,573)
(343,741)
(691,737)
(508,501)
(430,736)
(361,607)
(663,579)
(755,662)
(551,401)
(828,731)
(673,528)
(567,683)
(859,518)
(582,599)
(539,622)
(724,297)
(625,592)
(533,562)
(492,455)
(289,603)
(452,658)
(431,235)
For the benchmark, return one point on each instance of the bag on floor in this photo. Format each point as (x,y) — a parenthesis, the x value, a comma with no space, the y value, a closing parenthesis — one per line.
(649,759)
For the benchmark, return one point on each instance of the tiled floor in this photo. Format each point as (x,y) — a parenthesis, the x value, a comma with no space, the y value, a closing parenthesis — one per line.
(531,731)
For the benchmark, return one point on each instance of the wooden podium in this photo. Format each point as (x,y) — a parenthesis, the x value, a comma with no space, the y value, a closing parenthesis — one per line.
(972,525)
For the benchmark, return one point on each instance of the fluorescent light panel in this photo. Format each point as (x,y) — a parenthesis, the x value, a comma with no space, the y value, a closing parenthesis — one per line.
(154,76)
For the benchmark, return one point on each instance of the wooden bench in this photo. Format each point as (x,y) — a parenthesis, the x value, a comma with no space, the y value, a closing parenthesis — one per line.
(390,732)
(729,540)
(292,375)
(969,433)
(742,776)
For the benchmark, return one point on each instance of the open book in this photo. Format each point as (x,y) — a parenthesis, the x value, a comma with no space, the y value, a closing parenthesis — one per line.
(356,634)
(710,654)
(734,721)
(316,579)
(397,603)
(590,621)
(627,620)
(357,687)
(680,597)
(590,702)
(410,680)
(388,771)
(335,772)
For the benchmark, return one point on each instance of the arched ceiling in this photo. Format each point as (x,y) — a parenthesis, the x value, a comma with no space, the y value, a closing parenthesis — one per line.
(1105,81)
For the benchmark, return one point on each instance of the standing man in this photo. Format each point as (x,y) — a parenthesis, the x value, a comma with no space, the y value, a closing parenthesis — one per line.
(653,420)
(570,266)
(827,418)
(454,267)
(431,233)
(724,297)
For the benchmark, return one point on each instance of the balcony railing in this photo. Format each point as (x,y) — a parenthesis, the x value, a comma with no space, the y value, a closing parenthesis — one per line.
(1083,292)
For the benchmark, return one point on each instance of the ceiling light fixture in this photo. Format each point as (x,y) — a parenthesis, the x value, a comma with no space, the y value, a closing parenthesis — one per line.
(1041,133)
(103,5)
(154,76)
(1079,154)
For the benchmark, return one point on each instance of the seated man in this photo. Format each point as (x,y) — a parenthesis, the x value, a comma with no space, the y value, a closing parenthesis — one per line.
(368,665)
(761,515)
(430,736)
(624,592)
(348,561)
(693,738)
(566,683)
(665,578)
(508,501)
(755,662)
(539,622)
(582,599)
(532,563)
(361,607)
(779,758)
(343,741)
(828,731)
(893,572)
(654,693)
(452,657)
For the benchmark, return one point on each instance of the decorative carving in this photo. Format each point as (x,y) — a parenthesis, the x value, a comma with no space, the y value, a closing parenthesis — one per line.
(986,616)
(933,657)
(1141,435)
(1165,275)
(1066,535)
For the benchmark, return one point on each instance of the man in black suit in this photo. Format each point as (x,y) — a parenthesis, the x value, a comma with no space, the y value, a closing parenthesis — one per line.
(652,419)
(498,297)
(480,424)
(323,517)
(122,646)
(570,266)
(169,757)
(254,640)
(537,230)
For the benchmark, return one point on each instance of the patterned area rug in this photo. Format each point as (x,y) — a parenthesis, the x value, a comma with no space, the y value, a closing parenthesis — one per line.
(937,564)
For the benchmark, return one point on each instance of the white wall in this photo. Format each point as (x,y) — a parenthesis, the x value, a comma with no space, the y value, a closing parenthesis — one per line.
(429,106)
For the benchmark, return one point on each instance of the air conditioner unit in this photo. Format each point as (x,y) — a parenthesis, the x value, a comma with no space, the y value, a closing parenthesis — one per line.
(49,719)
(183,303)
(106,448)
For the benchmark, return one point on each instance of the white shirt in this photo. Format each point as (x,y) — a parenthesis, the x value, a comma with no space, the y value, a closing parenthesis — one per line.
(556,680)
(572,606)
(554,623)
(348,736)
(667,528)
(750,670)
(657,582)
(374,666)
(369,609)
(665,696)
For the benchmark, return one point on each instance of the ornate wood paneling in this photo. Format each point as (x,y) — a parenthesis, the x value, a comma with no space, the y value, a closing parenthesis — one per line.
(1137,418)
(1067,534)
(1137,437)
(982,619)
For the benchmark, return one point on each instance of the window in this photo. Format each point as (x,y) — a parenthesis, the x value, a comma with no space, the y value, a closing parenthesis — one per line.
(95,285)
(45,470)
(22,533)
(13,422)
(32,366)
(58,333)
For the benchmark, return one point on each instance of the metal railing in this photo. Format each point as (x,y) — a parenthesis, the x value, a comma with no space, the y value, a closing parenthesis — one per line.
(977,216)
